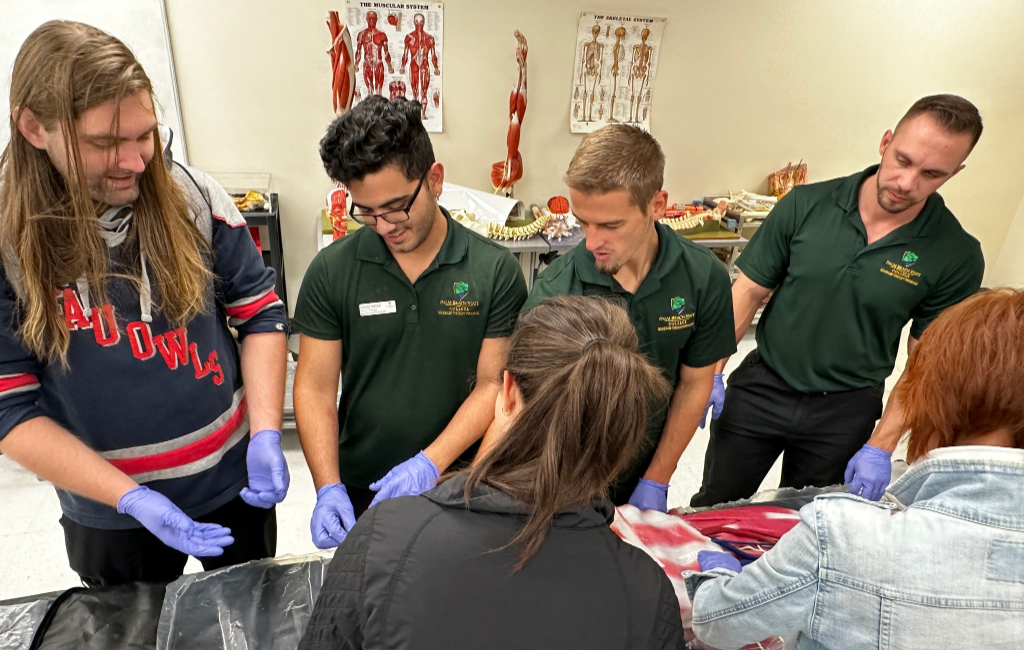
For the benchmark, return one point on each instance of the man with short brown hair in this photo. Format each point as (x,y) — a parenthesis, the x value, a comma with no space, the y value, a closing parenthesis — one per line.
(676,292)
(848,263)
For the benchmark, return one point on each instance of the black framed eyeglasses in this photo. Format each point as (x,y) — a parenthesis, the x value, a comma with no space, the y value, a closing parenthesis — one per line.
(400,215)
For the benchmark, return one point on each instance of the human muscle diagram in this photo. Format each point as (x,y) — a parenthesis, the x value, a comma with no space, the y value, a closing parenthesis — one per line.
(616,60)
(398,53)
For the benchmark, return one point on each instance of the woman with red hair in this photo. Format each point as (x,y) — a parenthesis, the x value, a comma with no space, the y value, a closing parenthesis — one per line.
(939,562)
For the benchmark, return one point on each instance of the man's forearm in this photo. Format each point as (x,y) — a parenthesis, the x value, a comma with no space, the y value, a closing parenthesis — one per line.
(745,303)
(685,413)
(468,425)
(53,453)
(264,368)
(316,416)
(889,430)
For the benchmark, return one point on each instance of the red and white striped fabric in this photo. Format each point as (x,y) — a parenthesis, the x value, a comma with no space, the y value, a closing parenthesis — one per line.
(13,384)
(241,311)
(186,455)
(674,545)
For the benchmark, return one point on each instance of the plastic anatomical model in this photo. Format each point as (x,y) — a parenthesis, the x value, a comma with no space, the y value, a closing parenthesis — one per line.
(639,74)
(618,56)
(590,72)
(372,48)
(505,174)
(418,46)
(343,73)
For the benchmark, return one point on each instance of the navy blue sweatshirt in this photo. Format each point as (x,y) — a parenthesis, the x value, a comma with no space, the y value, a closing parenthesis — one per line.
(165,405)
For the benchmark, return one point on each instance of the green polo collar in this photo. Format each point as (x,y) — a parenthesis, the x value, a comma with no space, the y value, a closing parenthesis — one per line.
(670,251)
(453,250)
(847,197)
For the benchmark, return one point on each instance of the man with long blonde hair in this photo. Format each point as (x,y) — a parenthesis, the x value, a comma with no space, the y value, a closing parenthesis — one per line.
(120,272)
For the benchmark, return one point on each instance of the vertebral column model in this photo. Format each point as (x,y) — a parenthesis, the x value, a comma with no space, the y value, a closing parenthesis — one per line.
(418,45)
(639,75)
(618,55)
(505,174)
(343,84)
(372,47)
(590,74)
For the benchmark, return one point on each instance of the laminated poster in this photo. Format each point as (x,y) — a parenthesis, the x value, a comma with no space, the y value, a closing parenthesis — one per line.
(616,60)
(398,53)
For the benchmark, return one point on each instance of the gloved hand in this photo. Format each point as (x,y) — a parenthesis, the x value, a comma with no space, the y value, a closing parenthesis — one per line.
(868,472)
(413,477)
(714,560)
(716,400)
(172,526)
(333,516)
(268,470)
(650,495)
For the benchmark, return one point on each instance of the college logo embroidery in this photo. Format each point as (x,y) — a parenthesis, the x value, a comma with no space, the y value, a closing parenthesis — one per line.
(678,320)
(459,307)
(901,270)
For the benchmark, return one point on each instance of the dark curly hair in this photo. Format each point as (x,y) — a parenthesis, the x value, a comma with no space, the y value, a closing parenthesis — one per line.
(375,134)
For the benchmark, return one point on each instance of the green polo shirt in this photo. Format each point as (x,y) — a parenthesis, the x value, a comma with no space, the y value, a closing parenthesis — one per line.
(839,306)
(682,311)
(409,350)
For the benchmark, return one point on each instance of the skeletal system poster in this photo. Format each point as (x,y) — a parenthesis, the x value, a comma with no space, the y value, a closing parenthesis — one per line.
(616,60)
(398,49)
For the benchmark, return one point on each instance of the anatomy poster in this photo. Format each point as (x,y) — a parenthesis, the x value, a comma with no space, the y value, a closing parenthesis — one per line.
(398,53)
(616,59)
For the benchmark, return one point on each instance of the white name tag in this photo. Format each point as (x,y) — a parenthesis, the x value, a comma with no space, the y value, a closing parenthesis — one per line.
(377,308)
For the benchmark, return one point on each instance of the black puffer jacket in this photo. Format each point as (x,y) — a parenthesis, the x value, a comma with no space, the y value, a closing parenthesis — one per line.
(422,572)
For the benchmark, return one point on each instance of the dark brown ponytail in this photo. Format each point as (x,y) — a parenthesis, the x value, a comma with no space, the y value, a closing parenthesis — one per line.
(587,392)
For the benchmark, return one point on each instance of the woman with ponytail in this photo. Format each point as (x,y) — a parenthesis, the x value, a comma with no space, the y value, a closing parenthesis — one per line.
(516,551)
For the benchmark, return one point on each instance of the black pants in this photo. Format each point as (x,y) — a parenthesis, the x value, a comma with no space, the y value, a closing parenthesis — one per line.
(763,417)
(360,498)
(104,558)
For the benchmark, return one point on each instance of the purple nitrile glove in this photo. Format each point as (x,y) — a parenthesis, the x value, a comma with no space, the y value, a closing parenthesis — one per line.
(268,470)
(411,478)
(714,560)
(868,472)
(333,516)
(650,495)
(172,526)
(715,400)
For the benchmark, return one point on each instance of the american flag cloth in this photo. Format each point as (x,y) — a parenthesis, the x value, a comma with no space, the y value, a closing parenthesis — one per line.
(673,541)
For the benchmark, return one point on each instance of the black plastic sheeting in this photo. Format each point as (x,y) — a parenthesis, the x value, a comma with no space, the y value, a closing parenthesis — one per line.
(110,618)
(262,605)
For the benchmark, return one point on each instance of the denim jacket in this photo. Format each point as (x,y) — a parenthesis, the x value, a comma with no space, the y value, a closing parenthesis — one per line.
(939,563)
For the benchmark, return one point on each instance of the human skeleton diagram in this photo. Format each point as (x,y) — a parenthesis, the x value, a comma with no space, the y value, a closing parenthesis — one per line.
(639,74)
(372,48)
(590,75)
(418,46)
(618,55)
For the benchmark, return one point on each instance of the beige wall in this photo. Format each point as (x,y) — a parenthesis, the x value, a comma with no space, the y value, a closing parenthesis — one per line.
(743,87)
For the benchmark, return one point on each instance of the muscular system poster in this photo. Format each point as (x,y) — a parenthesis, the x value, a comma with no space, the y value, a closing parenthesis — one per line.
(398,49)
(613,77)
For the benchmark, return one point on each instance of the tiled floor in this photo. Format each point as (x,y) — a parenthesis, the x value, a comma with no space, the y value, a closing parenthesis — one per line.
(33,559)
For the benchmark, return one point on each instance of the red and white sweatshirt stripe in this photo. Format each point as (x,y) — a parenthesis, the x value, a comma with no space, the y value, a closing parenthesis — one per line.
(165,405)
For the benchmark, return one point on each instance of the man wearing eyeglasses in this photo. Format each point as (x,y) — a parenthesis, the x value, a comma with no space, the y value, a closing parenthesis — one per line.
(413,310)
